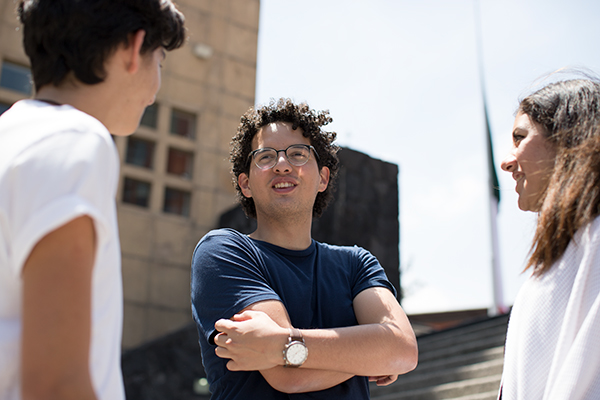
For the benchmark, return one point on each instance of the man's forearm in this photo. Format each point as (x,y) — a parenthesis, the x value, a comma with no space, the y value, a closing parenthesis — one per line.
(367,350)
(300,380)
(382,345)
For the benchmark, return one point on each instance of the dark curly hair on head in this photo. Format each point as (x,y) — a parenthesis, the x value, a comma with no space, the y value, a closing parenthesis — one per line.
(62,36)
(300,116)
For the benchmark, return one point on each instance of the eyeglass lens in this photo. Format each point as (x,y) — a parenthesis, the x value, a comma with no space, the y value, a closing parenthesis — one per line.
(297,155)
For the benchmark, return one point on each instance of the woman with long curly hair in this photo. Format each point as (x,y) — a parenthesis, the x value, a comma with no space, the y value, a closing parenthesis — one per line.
(553,340)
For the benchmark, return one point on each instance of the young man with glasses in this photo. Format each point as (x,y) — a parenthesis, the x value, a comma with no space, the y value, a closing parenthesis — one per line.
(277,312)
(95,66)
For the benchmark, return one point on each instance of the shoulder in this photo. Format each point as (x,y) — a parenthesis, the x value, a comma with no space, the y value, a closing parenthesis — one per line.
(55,135)
(352,258)
(592,231)
(224,239)
(28,114)
(585,241)
(80,129)
(224,235)
(351,252)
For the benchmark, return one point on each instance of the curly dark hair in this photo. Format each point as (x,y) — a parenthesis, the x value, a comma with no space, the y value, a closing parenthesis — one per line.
(300,116)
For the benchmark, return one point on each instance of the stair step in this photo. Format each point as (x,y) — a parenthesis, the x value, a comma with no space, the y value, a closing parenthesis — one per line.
(461,363)
(492,395)
(447,391)
(459,336)
(475,344)
(462,339)
(442,376)
(463,332)
(493,353)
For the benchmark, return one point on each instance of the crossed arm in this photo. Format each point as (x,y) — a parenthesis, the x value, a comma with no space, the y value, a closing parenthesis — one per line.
(381,347)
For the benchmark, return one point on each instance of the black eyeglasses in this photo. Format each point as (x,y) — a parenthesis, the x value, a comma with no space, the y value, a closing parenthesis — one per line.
(296,154)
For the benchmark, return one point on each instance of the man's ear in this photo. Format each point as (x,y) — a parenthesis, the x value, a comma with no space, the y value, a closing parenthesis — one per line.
(324,173)
(244,184)
(133,48)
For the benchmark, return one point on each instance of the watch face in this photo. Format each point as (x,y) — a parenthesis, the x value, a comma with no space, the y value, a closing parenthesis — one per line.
(296,353)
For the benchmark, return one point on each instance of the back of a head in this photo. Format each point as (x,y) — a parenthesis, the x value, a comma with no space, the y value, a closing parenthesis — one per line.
(63,36)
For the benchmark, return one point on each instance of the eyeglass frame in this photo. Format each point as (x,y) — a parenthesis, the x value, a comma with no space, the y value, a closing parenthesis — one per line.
(308,146)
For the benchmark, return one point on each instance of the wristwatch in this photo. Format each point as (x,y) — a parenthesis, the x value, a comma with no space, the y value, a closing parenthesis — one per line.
(295,351)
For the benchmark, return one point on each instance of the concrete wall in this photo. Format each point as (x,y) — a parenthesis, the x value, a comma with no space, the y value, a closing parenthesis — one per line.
(157,246)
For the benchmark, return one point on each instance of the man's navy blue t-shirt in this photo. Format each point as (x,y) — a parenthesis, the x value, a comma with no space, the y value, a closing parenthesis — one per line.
(231,271)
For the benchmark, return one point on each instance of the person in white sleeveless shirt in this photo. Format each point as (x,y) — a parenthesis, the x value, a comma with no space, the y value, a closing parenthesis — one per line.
(552,347)
(95,66)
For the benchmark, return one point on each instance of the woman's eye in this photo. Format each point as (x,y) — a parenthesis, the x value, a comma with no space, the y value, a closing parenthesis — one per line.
(517,138)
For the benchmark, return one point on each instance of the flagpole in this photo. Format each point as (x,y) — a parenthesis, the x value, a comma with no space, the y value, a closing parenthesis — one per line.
(494,187)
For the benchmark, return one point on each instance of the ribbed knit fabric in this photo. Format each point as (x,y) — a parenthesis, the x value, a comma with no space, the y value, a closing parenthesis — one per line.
(553,341)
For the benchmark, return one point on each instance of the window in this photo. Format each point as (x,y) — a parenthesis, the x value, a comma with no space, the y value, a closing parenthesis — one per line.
(150,117)
(4,107)
(140,152)
(183,124)
(136,192)
(15,77)
(177,202)
(180,163)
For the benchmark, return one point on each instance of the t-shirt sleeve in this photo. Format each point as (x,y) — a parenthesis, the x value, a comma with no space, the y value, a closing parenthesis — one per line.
(227,276)
(369,273)
(58,179)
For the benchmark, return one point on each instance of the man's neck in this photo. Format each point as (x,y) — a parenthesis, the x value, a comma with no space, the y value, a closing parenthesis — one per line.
(292,236)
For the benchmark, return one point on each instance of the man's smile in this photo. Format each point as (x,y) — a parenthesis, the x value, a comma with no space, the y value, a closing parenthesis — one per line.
(282,185)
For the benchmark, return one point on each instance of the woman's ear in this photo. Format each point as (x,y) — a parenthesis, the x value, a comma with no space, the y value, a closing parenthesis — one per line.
(244,184)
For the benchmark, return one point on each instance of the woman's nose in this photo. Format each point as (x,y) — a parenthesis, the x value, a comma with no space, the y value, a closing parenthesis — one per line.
(509,163)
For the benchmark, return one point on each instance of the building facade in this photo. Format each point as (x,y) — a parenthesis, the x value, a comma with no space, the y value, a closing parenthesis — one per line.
(175,180)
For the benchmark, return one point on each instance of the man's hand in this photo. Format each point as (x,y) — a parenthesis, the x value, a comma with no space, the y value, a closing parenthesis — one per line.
(251,340)
(383,380)
(271,316)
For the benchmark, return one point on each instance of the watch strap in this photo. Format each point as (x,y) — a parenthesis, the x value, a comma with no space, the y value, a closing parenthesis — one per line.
(295,335)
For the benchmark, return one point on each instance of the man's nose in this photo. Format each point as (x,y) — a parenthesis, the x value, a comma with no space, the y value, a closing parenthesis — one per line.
(282,165)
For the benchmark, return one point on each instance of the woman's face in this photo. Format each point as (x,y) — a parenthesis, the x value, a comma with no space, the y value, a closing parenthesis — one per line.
(530,161)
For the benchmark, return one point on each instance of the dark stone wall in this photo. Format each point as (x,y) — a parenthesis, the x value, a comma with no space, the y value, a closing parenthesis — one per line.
(365,210)
(165,368)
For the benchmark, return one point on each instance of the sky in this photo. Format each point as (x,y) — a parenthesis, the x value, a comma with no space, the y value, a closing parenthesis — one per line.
(401,80)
